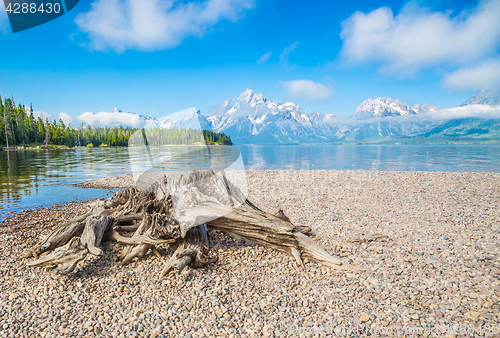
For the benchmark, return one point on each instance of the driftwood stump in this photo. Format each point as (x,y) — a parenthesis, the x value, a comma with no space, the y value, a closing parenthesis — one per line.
(175,208)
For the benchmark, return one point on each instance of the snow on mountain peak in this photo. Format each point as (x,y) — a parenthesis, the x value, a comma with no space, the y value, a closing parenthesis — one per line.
(251,116)
(189,118)
(486,97)
(246,95)
(385,106)
(249,96)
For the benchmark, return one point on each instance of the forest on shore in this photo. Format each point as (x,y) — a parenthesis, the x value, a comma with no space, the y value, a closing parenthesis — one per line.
(20,128)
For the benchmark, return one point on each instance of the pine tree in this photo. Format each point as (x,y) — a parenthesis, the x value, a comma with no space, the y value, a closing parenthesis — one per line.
(13,133)
(16,121)
(5,123)
(47,133)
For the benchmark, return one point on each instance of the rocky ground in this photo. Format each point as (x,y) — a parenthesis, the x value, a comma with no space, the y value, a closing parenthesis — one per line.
(437,275)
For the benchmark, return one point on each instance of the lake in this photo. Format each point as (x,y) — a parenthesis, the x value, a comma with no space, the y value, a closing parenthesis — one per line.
(31,179)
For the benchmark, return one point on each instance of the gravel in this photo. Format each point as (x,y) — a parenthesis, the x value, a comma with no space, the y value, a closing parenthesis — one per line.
(438,270)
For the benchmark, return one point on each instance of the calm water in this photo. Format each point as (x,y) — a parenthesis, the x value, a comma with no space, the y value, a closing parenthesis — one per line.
(40,178)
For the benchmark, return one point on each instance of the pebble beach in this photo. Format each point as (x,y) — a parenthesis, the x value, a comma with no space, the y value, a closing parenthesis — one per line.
(437,274)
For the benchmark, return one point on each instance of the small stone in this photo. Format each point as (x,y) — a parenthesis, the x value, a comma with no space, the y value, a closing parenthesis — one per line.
(474,315)
(364,318)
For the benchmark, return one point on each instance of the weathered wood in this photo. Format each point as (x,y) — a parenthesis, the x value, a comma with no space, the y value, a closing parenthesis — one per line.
(133,217)
(65,232)
(301,228)
(138,251)
(281,214)
(192,250)
(239,238)
(139,240)
(268,230)
(156,227)
(175,208)
(64,258)
(93,233)
(126,227)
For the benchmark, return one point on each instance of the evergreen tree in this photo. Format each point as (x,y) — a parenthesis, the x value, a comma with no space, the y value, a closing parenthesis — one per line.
(6,122)
(18,125)
(47,133)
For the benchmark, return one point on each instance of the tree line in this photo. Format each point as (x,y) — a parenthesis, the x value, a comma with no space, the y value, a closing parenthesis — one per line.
(19,127)
(161,136)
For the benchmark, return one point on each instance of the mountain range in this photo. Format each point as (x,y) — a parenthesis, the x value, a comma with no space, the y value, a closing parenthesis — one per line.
(253,119)
(385,106)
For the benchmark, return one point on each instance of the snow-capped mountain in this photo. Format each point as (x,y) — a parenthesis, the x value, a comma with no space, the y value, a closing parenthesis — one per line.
(253,118)
(485,97)
(119,113)
(385,106)
(189,118)
(250,118)
(115,117)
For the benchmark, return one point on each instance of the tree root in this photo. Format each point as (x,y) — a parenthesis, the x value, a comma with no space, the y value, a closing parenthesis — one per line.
(191,250)
(176,211)
(65,232)
(64,258)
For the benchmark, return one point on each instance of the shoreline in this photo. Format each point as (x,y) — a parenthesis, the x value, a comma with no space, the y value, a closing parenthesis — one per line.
(439,267)
(54,147)
(385,143)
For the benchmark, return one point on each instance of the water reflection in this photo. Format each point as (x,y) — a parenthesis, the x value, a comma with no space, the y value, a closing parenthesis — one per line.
(40,178)
(473,158)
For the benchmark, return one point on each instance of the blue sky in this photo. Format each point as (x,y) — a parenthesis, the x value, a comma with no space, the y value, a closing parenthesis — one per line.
(156,57)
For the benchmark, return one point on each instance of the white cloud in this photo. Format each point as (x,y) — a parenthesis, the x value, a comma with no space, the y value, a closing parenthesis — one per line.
(111,119)
(264,57)
(474,110)
(307,89)
(284,55)
(483,76)
(416,38)
(67,119)
(153,24)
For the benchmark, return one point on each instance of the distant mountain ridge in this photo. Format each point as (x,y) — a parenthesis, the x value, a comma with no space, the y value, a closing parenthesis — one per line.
(193,119)
(385,106)
(144,118)
(251,118)
(484,97)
